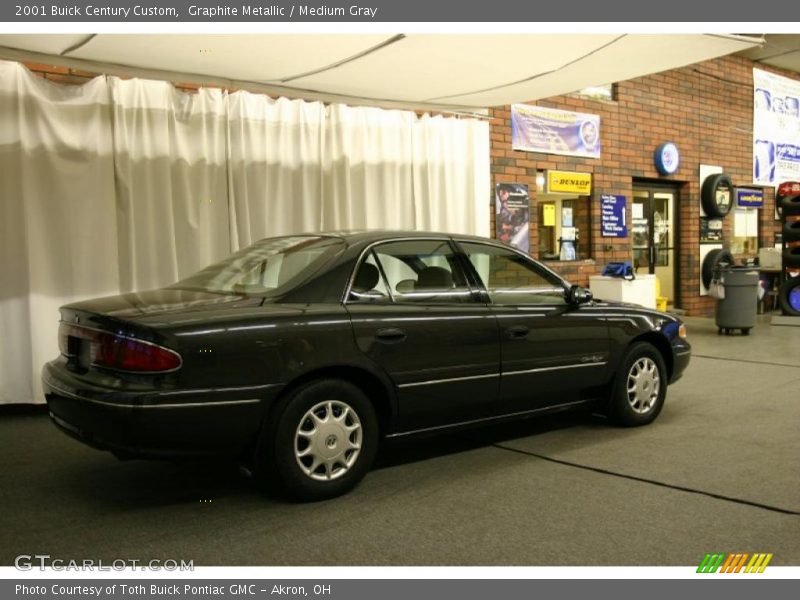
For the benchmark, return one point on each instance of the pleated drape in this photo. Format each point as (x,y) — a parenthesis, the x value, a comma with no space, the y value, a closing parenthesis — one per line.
(124,185)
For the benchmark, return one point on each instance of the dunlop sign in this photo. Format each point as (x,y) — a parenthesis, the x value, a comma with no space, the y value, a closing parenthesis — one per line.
(569,182)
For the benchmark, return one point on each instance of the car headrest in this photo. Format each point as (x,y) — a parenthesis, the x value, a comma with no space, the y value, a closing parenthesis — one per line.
(434,278)
(405,286)
(366,278)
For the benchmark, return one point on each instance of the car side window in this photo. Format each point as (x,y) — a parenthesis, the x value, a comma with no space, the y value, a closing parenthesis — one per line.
(368,283)
(511,279)
(422,271)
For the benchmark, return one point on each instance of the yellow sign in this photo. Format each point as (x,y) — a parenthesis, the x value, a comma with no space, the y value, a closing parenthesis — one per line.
(549,215)
(568,182)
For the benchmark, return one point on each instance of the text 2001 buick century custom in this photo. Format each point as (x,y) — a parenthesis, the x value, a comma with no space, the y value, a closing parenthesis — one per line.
(301,352)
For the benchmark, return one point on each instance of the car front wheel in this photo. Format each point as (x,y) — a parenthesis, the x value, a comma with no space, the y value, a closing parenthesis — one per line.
(320,442)
(640,386)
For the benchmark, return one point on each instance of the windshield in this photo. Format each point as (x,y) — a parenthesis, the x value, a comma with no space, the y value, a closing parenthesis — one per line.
(268,267)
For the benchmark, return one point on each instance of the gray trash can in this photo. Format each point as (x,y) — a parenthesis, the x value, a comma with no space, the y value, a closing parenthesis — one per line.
(737,310)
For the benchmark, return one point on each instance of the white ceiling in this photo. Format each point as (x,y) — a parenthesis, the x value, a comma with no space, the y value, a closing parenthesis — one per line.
(441,71)
(779,50)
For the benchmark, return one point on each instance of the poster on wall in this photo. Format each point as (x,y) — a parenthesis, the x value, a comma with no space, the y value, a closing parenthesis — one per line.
(512,215)
(776,128)
(552,131)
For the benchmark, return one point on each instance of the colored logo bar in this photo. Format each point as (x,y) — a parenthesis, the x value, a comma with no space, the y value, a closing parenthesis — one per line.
(737,562)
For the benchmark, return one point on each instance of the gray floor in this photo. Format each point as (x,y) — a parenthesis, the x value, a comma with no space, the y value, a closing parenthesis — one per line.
(719,471)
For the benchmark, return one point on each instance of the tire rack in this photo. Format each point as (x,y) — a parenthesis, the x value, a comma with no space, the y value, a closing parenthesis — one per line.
(787,191)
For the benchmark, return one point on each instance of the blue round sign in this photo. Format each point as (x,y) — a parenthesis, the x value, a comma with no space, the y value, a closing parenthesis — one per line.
(667,158)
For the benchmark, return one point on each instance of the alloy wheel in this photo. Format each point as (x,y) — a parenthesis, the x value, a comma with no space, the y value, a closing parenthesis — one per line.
(328,440)
(644,384)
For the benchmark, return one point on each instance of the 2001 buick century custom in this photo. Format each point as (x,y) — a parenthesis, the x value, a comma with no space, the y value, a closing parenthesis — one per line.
(301,352)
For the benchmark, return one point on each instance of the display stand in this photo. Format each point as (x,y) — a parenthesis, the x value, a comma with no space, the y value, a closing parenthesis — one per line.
(641,290)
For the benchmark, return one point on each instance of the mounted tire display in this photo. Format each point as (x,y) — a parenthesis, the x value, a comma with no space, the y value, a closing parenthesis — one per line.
(791,231)
(319,442)
(791,257)
(788,206)
(639,386)
(715,258)
(789,297)
(716,195)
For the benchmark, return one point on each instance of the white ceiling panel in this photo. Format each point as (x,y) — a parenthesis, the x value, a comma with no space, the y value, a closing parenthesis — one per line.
(242,57)
(628,57)
(440,71)
(422,67)
(46,44)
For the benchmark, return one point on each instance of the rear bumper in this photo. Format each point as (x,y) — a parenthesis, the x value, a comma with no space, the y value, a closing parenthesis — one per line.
(155,423)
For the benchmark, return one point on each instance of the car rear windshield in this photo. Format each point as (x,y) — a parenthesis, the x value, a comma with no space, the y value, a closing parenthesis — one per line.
(269,267)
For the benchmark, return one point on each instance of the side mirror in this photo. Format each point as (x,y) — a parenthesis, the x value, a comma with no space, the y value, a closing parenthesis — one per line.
(578,295)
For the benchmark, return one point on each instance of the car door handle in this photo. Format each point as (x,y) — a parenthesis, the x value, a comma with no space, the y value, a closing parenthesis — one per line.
(390,335)
(518,332)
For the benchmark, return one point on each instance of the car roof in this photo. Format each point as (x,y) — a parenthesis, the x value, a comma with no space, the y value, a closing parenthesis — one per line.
(375,235)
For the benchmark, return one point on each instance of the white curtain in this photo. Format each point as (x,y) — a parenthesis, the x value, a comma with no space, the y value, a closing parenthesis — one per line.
(274,166)
(124,185)
(58,238)
(171,181)
(451,175)
(368,169)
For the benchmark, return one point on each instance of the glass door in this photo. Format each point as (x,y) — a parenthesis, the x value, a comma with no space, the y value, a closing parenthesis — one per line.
(653,235)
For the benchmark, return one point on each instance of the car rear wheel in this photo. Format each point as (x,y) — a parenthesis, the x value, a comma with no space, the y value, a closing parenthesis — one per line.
(640,386)
(320,442)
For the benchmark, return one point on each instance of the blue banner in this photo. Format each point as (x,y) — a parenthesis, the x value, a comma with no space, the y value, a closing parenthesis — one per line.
(551,131)
(612,216)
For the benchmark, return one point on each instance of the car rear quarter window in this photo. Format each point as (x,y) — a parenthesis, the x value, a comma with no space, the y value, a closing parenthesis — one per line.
(268,267)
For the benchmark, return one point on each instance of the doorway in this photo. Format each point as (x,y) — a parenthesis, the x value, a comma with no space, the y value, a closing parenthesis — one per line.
(654,234)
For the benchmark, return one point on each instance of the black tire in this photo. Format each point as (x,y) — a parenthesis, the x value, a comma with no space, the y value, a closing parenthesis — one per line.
(714,259)
(791,231)
(628,408)
(791,257)
(788,206)
(789,297)
(708,195)
(746,331)
(276,461)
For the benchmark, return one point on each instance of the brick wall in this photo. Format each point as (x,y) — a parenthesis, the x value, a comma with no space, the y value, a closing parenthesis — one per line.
(706,109)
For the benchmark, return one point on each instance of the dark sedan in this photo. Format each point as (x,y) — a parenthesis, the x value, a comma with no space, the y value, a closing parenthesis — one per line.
(300,353)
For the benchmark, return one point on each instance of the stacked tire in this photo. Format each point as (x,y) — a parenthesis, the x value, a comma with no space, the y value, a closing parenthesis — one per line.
(788,205)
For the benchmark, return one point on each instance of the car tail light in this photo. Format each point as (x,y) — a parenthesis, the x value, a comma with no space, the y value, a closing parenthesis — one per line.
(68,340)
(113,351)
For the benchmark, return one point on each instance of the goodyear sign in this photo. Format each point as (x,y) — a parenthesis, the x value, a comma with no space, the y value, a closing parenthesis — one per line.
(746,198)
(569,182)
